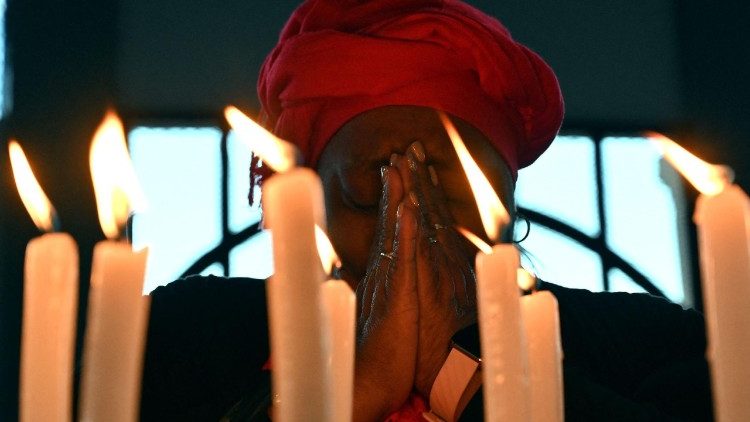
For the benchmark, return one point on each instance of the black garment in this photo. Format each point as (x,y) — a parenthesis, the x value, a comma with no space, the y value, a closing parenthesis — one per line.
(207,341)
(628,357)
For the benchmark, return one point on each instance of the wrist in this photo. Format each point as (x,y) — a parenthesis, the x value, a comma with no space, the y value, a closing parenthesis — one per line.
(370,401)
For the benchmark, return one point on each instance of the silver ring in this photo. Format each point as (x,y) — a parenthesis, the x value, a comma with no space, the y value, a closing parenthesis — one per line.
(438,226)
(387,255)
(433,240)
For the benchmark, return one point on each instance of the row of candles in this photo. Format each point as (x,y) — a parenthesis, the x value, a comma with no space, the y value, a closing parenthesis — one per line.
(117,310)
(312,317)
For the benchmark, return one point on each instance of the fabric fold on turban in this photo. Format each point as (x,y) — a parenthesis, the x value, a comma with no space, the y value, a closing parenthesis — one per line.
(338,58)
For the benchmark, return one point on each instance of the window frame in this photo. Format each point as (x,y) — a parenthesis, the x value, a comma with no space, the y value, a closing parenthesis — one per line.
(597,243)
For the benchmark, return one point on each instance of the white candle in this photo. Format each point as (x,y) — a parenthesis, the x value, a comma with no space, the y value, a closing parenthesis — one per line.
(115,333)
(339,316)
(117,311)
(339,304)
(292,205)
(542,328)
(50,300)
(504,360)
(49,319)
(724,238)
(722,214)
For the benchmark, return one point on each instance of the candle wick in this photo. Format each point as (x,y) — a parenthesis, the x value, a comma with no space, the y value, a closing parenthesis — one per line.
(299,159)
(504,235)
(56,225)
(126,234)
(529,291)
(336,271)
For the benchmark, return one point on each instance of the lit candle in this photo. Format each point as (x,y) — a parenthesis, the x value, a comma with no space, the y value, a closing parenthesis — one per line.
(722,214)
(504,359)
(339,311)
(292,206)
(118,312)
(541,322)
(49,306)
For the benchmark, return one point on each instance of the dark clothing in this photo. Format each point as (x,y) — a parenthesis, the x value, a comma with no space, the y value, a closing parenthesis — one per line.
(629,357)
(207,341)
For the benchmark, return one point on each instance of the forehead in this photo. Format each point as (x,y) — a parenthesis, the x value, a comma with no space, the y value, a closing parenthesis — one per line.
(371,137)
(366,142)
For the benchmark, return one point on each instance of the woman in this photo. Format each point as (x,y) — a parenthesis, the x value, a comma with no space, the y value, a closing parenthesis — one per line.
(358,86)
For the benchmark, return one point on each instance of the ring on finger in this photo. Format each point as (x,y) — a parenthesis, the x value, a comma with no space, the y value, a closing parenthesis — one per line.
(433,240)
(387,255)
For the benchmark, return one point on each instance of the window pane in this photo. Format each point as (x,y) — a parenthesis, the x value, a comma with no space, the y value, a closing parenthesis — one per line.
(254,258)
(620,282)
(241,214)
(644,224)
(180,171)
(562,184)
(560,260)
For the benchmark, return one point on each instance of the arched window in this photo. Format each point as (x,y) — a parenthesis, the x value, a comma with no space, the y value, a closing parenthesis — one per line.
(605,213)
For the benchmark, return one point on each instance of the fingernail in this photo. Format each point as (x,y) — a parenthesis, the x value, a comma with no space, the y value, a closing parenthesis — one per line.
(413,198)
(412,163)
(399,210)
(433,175)
(418,150)
(394,159)
(383,173)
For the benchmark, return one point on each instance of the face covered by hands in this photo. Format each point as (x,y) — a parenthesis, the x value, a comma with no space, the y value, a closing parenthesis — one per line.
(394,191)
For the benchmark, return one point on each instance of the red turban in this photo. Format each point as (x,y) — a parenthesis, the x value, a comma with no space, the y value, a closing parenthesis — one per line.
(338,58)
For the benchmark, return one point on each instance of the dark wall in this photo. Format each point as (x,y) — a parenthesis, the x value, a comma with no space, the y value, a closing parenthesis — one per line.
(183,57)
(617,60)
(62,57)
(715,62)
(614,61)
(674,66)
(680,66)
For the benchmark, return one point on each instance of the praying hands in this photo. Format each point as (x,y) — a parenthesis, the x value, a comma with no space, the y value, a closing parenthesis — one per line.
(418,291)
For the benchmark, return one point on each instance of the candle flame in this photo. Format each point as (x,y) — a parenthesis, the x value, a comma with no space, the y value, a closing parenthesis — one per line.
(479,243)
(275,152)
(491,210)
(327,254)
(115,183)
(526,280)
(708,178)
(36,202)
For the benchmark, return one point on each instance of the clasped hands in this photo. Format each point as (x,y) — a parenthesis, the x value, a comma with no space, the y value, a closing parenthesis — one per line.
(418,291)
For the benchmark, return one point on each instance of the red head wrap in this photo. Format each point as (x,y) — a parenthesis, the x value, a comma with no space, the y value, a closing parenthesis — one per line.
(338,58)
